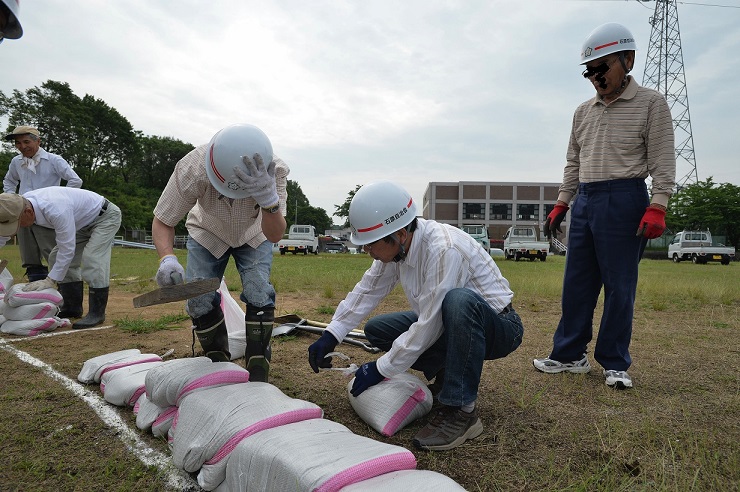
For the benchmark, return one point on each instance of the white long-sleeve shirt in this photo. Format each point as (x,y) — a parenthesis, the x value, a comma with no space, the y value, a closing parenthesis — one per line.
(441,257)
(66,210)
(50,170)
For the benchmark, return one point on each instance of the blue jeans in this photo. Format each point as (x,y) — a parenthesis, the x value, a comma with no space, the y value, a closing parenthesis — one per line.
(602,251)
(473,332)
(253,265)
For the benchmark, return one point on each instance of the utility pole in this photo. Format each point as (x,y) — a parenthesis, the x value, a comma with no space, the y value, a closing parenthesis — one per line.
(664,72)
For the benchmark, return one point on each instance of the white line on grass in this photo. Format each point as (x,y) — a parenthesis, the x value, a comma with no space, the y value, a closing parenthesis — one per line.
(56,333)
(176,479)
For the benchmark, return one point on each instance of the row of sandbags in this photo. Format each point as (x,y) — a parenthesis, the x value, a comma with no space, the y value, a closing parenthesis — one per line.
(240,435)
(28,313)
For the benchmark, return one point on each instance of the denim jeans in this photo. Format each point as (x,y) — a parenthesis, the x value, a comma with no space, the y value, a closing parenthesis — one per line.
(253,265)
(603,251)
(473,332)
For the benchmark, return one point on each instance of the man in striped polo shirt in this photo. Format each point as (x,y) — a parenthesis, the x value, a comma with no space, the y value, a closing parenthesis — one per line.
(619,137)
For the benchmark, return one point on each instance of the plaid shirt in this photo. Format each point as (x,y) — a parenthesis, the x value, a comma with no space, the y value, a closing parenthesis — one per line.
(217,223)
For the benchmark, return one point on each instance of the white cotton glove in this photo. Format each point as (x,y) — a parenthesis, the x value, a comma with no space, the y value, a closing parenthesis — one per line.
(47,283)
(170,271)
(260,182)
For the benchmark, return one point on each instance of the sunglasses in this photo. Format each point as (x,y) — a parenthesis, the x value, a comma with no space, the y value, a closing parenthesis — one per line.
(598,70)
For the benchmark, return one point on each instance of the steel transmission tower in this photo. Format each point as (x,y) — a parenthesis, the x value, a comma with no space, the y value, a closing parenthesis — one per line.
(664,72)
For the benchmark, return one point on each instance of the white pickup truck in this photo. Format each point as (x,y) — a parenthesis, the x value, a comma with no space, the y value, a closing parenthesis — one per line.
(521,242)
(697,247)
(301,239)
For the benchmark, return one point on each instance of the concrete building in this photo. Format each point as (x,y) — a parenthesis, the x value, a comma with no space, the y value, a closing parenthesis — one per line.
(497,205)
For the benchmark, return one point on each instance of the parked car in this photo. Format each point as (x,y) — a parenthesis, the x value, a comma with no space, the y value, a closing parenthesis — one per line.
(336,247)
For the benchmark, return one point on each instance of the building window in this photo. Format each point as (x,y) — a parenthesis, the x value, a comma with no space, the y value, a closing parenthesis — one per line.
(474,211)
(501,211)
(528,211)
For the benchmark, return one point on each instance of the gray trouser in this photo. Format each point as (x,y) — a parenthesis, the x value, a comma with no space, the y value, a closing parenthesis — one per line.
(35,244)
(93,250)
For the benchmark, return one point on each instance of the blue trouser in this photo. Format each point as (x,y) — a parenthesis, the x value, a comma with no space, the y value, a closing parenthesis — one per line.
(473,332)
(603,250)
(253,265)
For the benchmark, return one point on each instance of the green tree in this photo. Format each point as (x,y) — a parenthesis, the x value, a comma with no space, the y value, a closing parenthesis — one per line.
(343,209)
(97,141)
(706,205)
(300,210)
(157,159)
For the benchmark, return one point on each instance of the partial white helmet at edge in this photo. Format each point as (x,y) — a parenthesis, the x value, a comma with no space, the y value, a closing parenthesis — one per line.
(225,151)
(12,28)
(605,40)
(378,209)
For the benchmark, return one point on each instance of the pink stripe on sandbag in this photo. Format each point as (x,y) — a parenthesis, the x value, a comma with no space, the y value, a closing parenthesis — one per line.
(397,419)
(45,327)
(135,397)
(44,311)
(39,296)
(404,460)
(214,379)
(167,414)
(113,367)
(268,423)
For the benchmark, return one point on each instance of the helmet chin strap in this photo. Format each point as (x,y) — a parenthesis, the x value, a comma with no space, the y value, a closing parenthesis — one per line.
(401,253)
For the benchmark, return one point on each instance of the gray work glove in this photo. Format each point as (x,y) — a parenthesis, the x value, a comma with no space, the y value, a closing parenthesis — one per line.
(47,283)
(170,271)
(259,182)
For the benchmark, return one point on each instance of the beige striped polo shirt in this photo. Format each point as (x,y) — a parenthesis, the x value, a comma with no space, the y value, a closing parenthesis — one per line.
(632,137)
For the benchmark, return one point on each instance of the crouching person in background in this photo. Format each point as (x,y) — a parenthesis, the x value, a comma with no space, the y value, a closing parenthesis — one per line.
(85,225)
(461,310)
(233,191)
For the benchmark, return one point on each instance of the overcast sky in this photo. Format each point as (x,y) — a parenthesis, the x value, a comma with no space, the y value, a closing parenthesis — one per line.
(351,91)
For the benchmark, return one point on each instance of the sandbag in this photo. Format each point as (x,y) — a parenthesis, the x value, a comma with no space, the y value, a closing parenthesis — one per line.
(147,412)
(6,281)
(392,404)
(211,422)
(312,455)
(123,386)
(163,423)
(33,327)
(91,366)
(31,311)
(16,297)
(406,481)
(172,380)
(125,362)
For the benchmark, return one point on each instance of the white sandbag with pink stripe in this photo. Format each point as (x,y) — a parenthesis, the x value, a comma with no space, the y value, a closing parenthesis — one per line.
(15,296)
(33,327)
(392,404)
(123,386)
(113,363)
(211,422)
(407,481)
(317,455)
(31,311)
(91,366)
(173,380)
(147,413)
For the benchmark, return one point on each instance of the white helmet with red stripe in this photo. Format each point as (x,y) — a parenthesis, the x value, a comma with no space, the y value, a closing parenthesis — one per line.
(605,40)
(12,28)
(225,151)
(378,209)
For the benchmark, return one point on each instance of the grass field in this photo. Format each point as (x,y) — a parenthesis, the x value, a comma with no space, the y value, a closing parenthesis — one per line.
(677,430)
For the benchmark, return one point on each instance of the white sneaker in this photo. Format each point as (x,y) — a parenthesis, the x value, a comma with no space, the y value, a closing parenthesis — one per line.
(617,379)
(551,366)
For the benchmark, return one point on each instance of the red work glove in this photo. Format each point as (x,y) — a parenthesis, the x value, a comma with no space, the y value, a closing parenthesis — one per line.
(552,224)
(652,224)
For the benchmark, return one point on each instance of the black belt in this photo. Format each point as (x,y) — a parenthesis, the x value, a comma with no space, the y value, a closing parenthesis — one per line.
(506,309)
(103,208)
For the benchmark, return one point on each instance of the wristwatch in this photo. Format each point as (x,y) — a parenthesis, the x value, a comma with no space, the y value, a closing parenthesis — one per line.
(272,209)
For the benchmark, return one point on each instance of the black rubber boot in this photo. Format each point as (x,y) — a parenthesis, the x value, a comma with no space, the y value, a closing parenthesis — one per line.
(212,335)
(259,323)
(96,313)
(71,299)
(36,272)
